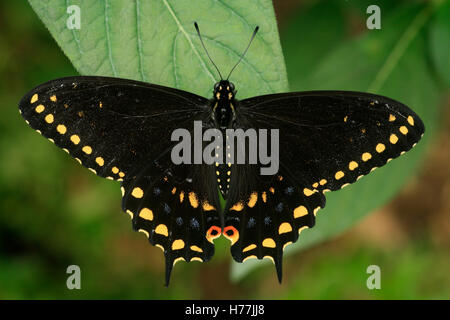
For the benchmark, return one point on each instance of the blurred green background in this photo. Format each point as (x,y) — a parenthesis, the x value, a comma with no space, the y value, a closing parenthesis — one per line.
(54,213)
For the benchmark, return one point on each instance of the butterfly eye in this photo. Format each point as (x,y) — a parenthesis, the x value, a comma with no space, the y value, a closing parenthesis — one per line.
(231,86)
(216,86)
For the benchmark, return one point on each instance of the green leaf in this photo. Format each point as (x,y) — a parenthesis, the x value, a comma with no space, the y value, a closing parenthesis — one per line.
(155,41)
(392,62)
(440,44)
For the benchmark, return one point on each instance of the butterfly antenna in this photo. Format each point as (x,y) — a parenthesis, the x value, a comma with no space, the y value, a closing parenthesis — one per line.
(201,40)
(242,56)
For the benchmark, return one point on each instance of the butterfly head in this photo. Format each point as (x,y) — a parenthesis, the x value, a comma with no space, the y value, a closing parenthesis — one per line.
(224,91)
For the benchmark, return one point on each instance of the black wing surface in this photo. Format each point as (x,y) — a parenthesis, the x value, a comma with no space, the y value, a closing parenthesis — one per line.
(327,140)
(121,130)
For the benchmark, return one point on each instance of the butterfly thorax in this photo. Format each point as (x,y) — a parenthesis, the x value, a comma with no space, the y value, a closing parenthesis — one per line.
(223,116)
(223,104)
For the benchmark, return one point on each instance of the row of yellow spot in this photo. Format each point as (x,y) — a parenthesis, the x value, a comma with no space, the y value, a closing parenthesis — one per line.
(162,229)
(253,199)
(366,156)
(138,193)
(268,243)
(75,139)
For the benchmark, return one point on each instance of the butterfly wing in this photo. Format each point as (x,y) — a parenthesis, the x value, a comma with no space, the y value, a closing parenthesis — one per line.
(121,130)
(327,140)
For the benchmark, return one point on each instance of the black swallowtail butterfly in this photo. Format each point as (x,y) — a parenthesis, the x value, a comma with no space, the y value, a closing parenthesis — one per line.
(121,130)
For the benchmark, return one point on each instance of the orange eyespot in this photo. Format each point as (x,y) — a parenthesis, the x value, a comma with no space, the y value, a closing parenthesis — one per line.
(213,233)
(231,234)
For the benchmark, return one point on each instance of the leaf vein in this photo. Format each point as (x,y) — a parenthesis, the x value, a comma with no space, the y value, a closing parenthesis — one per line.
(183,31)
(108,39)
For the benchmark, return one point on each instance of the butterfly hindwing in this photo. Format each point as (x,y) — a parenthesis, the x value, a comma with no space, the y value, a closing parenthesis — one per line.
(267,215)
(175,210)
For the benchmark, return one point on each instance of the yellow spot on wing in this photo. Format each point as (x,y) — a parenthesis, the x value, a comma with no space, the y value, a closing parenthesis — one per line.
(322,182)
(393,139)
(137,193)
(87,149)
(196,259)
(353,165)
(403,130)
(145,232)
(178,244)
(308,192)
(339,175)
(53,98)
(315,184)
(207,207)
(270,258)
(40,108)
(237,206)
(178,259)
(146,214)
(193,200)
(380,147)
(315,211)
(285,227)
(34,98)
(181,196)
(253,199)
(195,248)
(130,213)
(411,120)
(49,118)
(302,228)
(366,156)
(115,170)
(269,243)
(250,247)
(162,230)
(300,211)
(249,257)
(100,161)
(286,244)
(61,129)
(75,139)
(121,174)
(264,197)
(391,118)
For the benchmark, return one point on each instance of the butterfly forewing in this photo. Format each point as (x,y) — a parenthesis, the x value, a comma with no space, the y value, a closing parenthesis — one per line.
(112,126)
(331,138)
